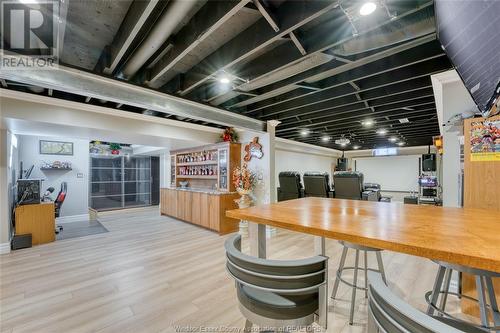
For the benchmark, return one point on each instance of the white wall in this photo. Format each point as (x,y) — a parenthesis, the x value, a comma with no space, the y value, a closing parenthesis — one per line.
(299,161)
(262,192)
(76,202)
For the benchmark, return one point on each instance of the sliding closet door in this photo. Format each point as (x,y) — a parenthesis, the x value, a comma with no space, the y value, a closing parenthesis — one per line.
(120,182)
(106,182)
(137,181)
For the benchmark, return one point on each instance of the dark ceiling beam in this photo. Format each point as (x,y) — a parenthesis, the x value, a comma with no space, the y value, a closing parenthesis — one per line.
(333,105)
(326,40)
(267,14)
(363,138)
(137,15)
(73,81)
(297,43)
(371,141)
(385,61)
(204,23)
(357,132)
(391,112)
(384,78)
(418,101)
(412,84)
(355,135)
(291,15)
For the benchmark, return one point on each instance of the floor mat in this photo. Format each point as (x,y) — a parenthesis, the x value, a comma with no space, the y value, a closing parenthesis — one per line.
(80,229)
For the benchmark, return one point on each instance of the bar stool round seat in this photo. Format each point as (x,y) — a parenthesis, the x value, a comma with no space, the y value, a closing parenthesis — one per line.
(484,286)
(354,284)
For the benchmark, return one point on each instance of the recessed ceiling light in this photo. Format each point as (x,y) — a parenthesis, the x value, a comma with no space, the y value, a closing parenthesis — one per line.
(404,120)
(355,147)
(393,139)
(381,131)
(367,8)
(401,143)
(304,132)
(367,123)
(325,139)
(224,79)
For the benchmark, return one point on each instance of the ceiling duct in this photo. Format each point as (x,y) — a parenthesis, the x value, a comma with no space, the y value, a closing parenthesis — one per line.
(168,23)
(289,70)
(406,29)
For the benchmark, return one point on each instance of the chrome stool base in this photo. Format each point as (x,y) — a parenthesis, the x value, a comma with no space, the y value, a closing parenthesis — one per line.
(484,287)
(354,284)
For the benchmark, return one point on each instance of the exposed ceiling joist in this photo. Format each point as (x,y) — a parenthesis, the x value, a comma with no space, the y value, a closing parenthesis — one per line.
(77,82)
(297,43)
(266,13)
(308,78)
(326,42)
(427,106)
(337,80)
(377,79)
(292,16)
(204,23)
(136,17)
(349,102)
(360,107)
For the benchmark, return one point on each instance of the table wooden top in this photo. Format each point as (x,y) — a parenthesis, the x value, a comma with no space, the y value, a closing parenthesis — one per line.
(469,237)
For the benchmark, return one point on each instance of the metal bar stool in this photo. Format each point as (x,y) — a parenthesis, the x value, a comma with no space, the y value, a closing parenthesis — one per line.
(484,286)
(354,284)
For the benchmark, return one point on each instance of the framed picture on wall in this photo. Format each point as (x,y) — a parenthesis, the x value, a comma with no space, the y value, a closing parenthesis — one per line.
(56,147)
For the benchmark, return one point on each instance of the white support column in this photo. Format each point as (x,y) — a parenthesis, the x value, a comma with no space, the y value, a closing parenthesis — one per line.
(4,192)
(271,129)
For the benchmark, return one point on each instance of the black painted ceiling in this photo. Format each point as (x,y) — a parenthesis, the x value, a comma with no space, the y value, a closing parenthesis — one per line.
(317,66)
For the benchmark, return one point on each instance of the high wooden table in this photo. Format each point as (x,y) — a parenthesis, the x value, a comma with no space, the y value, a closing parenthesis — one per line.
(469,237)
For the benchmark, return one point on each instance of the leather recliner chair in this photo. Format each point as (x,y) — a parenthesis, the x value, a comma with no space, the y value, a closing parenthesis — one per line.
(348,185)
(317,184)
(290,186)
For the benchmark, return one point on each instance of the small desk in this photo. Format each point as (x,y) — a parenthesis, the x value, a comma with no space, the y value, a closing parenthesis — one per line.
(463,236)
(38,220)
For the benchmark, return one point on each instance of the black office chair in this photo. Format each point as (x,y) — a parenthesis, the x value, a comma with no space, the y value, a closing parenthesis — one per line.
(317,184)
(61,196)
(290,186)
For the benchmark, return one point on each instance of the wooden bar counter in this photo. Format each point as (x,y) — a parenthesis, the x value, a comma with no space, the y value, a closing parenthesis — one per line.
(204,207)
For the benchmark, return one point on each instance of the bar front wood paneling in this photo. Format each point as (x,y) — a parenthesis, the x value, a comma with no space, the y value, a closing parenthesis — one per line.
(204,208)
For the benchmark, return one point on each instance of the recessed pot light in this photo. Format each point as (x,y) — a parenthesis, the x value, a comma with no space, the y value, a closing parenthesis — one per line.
(367,8)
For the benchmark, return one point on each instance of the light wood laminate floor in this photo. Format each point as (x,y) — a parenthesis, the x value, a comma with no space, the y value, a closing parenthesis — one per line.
(150,273)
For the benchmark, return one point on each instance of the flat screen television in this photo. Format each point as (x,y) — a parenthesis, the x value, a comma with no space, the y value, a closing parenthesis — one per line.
(470,36)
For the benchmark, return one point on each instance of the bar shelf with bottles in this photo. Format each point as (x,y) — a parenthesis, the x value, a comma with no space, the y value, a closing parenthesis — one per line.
(201,190)
(206,166)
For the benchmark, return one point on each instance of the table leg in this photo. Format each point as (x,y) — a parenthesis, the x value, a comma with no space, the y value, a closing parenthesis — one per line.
(257,238)
(319,245)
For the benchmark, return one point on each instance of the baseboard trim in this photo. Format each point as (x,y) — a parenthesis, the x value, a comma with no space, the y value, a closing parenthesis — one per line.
(72,218)
(4,248)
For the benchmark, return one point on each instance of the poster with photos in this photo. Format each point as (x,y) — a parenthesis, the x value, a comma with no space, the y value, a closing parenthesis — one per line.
(485,141)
